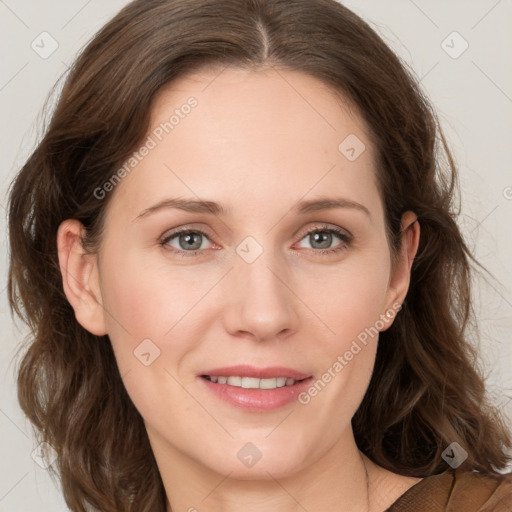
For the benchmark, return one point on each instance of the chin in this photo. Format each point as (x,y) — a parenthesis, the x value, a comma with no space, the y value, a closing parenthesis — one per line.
(259,461)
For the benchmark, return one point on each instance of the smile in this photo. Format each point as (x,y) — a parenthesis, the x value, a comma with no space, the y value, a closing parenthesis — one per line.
(251,382)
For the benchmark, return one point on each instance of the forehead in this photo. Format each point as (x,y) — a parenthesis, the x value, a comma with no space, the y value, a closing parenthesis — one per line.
(269,135)
(279,95)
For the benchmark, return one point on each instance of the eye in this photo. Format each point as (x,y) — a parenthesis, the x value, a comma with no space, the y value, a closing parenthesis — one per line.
(189,241)
(322,237)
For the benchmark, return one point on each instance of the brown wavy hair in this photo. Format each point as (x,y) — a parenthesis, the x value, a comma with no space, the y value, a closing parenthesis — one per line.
(426,390)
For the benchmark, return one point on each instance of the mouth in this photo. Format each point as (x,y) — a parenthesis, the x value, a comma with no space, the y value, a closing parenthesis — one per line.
(253,382)
(255,389)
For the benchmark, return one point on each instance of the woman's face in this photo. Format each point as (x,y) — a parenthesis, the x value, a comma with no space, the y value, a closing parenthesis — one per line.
(248,285)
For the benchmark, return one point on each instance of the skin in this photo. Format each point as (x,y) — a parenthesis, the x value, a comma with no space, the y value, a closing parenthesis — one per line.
(257,142)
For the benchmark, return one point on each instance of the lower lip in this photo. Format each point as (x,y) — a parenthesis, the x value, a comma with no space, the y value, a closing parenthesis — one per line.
(257,400)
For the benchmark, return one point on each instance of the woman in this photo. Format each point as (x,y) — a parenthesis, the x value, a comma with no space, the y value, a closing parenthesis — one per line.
(193,347)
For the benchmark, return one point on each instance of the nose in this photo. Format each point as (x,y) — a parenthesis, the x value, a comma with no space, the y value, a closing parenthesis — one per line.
(261,304)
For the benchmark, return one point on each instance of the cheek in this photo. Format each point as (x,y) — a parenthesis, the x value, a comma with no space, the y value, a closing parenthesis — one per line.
(156,309)
(142,304)
(139,306)
(351,308)
(145,299)
(351,296)
(361,300)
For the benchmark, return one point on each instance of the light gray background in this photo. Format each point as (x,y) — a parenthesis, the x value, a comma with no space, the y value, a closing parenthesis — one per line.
(473,96)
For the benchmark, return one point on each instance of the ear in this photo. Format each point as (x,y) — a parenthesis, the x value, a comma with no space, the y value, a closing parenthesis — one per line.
(80,277)
(401,274)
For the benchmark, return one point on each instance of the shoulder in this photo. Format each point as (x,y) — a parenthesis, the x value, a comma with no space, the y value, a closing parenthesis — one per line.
(458,491)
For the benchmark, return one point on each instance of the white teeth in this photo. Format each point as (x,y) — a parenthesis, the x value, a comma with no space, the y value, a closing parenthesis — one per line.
(268,383)
(235,381)
(253,383)
(249,383)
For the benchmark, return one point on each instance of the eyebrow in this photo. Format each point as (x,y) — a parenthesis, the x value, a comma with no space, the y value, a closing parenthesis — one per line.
(213,208)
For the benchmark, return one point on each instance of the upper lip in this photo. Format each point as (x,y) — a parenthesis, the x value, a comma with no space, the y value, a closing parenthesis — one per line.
(245,370)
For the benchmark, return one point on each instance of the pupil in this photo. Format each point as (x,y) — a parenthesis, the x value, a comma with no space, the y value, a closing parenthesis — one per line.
(326,238)
(188,239)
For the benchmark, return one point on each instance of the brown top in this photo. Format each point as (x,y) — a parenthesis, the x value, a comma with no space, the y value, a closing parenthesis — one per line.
(458,491)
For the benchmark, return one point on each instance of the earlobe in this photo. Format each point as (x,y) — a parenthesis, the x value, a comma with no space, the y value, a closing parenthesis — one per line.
(80,278)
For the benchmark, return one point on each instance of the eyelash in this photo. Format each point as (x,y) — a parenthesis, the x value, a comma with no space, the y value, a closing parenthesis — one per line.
(344,237)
